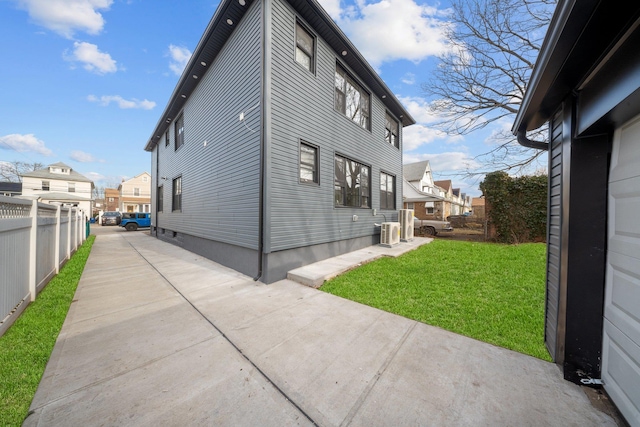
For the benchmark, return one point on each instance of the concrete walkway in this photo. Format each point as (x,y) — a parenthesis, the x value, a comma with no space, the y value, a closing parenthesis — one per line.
(160,336)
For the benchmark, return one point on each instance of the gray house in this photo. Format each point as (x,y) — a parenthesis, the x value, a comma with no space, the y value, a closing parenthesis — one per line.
(586,84)
(280,145)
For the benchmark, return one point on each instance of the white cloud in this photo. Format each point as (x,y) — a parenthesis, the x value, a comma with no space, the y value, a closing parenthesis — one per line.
(24,143)
(388,30)
(332,7)
(409,79)
(450,161)
(179,58)
(94,176)
(419,109)
(82,157)
(65,17)
(94,60)
(418,135)
(125,104)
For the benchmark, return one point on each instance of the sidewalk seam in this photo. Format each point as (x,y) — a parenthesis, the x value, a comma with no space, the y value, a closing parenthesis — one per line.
(269,380)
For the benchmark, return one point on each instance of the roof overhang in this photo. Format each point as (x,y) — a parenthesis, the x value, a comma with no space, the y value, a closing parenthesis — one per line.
(580,41)
(218,32)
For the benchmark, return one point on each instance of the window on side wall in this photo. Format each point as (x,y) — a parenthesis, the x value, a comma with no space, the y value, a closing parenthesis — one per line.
(176,204)
(45,186)
(352,183)
(136,191)
(179,131)
(350,99)
(71,187)
(387,191)
(305,48)
(160,198)
(166,138)
(308,163)
(391,131)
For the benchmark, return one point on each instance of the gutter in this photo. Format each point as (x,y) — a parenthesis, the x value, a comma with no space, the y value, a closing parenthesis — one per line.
(526,142)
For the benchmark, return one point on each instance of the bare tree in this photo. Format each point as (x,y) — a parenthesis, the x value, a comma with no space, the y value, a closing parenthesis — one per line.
(482,80)
(13,171)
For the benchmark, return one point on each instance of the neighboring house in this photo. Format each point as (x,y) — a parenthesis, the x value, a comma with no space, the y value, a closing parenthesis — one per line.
(59,183)
(444,208)
(112,199)
(280,145)
(477,207)
(420,192)
(134,195)
(586,84)
(10,188)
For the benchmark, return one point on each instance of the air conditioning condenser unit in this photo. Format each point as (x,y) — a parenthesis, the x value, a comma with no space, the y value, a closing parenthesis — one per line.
(406,225)
(389,234)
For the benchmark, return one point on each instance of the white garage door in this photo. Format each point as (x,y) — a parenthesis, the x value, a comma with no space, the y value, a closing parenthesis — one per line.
(621,341)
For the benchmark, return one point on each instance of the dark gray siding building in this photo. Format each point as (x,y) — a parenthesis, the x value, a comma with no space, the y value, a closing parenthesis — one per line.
(277,143)
(586,84)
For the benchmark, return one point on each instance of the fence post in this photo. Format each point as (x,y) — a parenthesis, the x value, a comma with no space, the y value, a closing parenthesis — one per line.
(57,248)
(33,249)
(69,234)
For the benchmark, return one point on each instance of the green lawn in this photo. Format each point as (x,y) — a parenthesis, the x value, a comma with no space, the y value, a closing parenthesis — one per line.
(491,292)
(25,348)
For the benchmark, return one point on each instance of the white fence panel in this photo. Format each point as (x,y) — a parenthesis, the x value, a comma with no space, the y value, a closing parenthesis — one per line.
(35,240)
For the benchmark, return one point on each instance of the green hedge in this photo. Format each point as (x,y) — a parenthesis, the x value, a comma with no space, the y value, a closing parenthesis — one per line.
(516,208)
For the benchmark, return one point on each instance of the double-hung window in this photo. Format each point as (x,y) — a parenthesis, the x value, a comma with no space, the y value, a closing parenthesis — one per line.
(391,131)
(387,191)
(71,187)
(305,48)
(352,183)
(176,204)
(136,191)
(45,186)
(308,163)
(179,131)
(350,99)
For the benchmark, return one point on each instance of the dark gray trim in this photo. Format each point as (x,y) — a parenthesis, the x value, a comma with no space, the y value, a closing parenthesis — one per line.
(302,142)
(526,142)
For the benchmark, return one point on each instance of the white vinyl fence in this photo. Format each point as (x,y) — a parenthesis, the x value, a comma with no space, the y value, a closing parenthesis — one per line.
(36,239)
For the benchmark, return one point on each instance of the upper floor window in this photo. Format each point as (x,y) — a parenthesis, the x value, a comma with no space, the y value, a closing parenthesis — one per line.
(45,185)
(352,183)
(111,199)
(350,99)
(71,187)
(166,138)
(305,48)
(136,191)
(387,191)
(179,131)
(308,163)
(176,204)
(391,131)
(145,178)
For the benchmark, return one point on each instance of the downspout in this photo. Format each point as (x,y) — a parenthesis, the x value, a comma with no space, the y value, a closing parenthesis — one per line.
(266,43)
(526,142)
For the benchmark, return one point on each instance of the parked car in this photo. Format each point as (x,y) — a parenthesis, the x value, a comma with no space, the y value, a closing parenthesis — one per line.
(133,221)
(111,218)
(431,227)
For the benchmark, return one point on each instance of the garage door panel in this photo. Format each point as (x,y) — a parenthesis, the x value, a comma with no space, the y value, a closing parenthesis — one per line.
(622,296)
(621,375)
(621,337)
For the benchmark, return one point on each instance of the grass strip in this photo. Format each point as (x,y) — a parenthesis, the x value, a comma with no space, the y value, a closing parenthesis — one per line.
(26,347)
(491,292)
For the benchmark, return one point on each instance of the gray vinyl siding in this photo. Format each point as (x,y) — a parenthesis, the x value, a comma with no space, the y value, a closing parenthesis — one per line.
(554,235)
(301,214)
(220,181)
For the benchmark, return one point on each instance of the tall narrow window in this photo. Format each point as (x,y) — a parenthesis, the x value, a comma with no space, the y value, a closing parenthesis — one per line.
(177,194)
(71,187)
(45,185)
(136,191)
(352,183)
(160,198)
(308,163)
(166,138)
(179,131)
(391,131)
(387,191)
(304,48)
(350,99)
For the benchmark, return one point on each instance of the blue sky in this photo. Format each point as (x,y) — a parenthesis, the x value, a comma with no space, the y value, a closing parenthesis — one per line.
(85,81)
